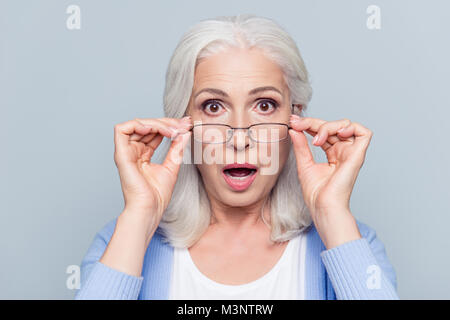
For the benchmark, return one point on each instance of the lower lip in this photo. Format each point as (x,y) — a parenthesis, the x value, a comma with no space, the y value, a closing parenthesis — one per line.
(239,184)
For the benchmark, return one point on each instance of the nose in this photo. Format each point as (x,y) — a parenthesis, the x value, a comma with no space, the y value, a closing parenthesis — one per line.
(240,139)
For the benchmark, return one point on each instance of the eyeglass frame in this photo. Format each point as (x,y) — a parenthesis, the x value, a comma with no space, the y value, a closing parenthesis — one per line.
(246,128)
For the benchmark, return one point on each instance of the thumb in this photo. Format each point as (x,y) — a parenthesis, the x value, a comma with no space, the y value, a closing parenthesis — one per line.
(301,149)
(174,156)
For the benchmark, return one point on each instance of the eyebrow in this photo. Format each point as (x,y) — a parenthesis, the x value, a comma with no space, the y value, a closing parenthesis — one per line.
(251,92)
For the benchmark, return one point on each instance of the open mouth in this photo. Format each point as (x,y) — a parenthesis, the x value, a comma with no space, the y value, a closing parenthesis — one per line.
(239,173)
(239,176)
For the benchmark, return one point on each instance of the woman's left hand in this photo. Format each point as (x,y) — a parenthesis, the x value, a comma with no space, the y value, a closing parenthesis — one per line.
(327,186)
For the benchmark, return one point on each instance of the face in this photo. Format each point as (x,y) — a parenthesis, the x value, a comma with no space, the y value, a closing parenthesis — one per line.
(227,90)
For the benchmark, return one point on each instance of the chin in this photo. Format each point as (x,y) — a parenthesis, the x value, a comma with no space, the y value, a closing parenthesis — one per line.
(239,199)
(242,198)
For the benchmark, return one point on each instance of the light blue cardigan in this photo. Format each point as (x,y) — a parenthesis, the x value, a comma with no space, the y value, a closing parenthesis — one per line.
(343,272)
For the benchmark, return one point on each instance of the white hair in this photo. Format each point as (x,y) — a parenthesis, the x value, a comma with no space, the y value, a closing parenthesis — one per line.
(188,213)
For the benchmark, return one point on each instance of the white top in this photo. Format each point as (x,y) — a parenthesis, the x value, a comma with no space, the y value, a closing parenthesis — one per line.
(284,281)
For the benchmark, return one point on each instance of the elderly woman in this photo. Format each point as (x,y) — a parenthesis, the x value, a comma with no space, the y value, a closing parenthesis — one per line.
(253,216)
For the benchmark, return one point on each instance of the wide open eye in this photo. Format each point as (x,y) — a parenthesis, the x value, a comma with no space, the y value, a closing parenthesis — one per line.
(211,107)
(266,106)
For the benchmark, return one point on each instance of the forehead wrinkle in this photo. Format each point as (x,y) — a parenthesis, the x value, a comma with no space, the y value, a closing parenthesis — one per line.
(235,76)
(229,85)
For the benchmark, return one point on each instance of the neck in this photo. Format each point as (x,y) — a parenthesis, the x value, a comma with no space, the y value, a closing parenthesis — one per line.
(240,218)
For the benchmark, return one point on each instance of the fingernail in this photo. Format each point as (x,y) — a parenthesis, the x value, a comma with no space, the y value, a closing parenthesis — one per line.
(187,118)
(316,138)
(294,118)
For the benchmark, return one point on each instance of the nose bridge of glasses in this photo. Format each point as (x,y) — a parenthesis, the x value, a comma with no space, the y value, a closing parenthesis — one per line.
(261,132)
(238,135)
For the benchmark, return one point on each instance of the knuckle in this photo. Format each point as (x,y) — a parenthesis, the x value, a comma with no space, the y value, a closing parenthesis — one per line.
(346,122)
(305,121)
(117,127)
(323,127)
(358,124)
(363,128)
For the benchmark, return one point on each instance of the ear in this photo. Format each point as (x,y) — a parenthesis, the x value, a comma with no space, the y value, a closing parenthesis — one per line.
(297,108)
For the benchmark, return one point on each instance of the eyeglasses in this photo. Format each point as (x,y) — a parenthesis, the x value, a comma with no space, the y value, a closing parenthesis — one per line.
(217,133)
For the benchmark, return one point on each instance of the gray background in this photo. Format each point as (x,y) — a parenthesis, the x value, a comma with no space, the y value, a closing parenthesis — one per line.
(63,91)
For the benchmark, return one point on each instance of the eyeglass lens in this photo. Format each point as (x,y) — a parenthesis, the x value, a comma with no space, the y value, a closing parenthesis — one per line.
(262,133)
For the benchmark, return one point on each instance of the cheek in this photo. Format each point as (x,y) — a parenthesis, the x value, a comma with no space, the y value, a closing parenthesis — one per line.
(274,154)
(284,155)
(208,172)
(210,155)
(285,148)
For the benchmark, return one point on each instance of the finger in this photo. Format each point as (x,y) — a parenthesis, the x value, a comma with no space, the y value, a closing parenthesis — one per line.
(331,139)
(343,134)
(138,137)
(123,131)
(151,146)
(174,156)
(155,142)
(311,126)
(183,123)
(149,137)
(329,128)
(304,123)
(177,125)
(302,151)
(362,135)
(327,144)
(173,125)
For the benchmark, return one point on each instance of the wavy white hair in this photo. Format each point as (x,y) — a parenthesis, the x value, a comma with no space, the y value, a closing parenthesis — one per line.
(188,213)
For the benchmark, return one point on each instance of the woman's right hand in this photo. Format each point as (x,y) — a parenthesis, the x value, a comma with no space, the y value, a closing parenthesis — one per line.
(147,187)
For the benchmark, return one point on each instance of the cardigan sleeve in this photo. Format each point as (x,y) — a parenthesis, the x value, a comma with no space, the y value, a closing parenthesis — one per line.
(360,269)
(100,282)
